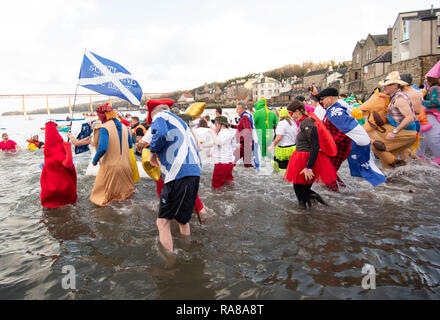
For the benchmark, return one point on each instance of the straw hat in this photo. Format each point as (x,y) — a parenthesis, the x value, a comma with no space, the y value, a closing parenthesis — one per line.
(392,78)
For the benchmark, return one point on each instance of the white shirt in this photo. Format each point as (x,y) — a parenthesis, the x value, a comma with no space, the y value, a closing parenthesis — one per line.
(288,132)
(147,136)
(320,112)
(224,151)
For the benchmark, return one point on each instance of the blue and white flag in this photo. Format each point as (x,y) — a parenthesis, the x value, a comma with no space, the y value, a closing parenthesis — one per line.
(360,162)
(109,78)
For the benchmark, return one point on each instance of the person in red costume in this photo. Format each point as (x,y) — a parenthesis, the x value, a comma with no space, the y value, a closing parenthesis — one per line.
(58,178)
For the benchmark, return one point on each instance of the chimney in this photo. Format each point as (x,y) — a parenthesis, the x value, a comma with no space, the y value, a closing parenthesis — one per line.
(432,9)
(390,35)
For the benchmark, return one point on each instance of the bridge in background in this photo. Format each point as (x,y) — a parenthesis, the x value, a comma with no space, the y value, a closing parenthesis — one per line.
(23,97)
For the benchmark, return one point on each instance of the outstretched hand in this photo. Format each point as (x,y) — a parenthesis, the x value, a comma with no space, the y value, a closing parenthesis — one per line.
(308,173)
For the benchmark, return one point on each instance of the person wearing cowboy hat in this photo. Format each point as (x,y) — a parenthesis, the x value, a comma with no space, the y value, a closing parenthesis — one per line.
(112,142)
(172,147)
(401,129)
(223,152)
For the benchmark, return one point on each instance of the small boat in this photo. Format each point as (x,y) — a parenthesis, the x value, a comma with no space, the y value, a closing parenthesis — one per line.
(89,114)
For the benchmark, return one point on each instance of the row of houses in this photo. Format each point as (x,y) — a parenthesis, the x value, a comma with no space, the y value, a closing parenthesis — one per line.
(412,45)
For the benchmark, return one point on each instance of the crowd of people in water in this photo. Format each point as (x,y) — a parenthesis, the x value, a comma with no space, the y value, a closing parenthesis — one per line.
(307,142)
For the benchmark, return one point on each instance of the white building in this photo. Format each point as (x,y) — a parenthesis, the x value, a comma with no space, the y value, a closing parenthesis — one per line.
(186,98)
(265,87)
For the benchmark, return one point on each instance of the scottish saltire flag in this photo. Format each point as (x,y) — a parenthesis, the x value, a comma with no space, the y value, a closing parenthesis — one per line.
(173,140)
(359,161)
(257,152)
(109,78)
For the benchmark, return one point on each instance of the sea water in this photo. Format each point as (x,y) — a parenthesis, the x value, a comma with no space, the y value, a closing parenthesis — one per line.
(255,242)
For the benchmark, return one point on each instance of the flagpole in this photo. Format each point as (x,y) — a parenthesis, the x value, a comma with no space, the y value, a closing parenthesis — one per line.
(76,91)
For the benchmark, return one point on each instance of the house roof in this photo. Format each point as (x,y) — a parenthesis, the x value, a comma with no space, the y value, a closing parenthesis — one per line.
(316,72)
(380,39)
(293,92)
(239,98)
(334,84)
(266,79)
(187,95)
(384,57)
(420,14)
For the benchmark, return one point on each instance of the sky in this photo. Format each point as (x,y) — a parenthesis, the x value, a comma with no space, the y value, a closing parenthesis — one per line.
(178,45)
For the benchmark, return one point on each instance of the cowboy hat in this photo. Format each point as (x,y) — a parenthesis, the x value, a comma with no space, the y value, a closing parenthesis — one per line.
(392,78)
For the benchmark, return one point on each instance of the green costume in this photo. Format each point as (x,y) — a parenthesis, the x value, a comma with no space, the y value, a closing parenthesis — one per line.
(264,121)
(352,100)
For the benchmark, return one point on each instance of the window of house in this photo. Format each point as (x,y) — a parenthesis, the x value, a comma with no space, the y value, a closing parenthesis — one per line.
(270,92)
(262,92)
(366,69)
(368,54)
(357,58)
(405,35)
(356,76)
(438,41)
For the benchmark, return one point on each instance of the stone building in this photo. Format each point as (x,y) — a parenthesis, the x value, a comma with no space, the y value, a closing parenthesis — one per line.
(365,51)
(334,78)
(286,97)
(415,34)
(314,77)
(209,92)
(240,87)
(265,87)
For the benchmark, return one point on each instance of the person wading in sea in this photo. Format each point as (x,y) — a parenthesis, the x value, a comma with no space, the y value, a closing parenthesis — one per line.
(115,177)
(7,144)
(307,163)
(180,166)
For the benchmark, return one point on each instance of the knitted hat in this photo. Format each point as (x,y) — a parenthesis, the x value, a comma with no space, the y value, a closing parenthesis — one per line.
(152,103)
(104,108)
